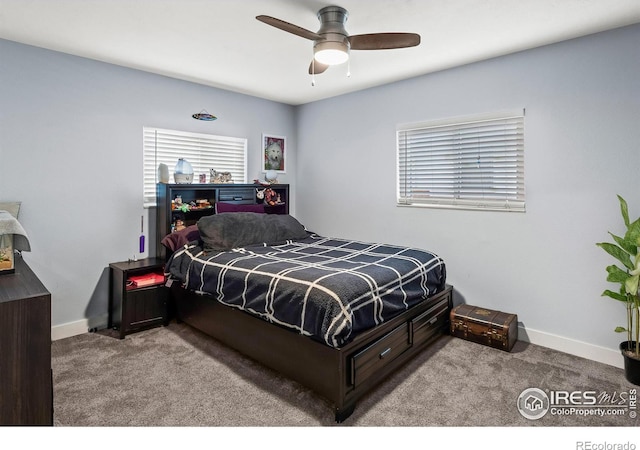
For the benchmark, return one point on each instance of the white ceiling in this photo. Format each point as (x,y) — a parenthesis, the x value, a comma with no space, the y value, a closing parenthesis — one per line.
(220,43)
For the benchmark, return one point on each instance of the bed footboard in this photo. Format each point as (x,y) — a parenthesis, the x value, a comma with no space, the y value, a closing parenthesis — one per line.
(342,375)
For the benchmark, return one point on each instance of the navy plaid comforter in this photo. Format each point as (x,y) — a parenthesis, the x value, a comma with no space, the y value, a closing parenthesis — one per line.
(326,288)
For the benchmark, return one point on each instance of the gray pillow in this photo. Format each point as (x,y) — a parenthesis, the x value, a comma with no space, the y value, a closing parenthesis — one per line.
(240,229)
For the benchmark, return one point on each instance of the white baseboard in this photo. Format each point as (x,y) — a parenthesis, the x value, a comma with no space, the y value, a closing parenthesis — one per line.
(79,327)
(544,339)
(572,347)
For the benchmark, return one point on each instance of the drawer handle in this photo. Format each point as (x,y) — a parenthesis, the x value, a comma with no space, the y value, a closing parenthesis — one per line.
(433,320)
(385,353)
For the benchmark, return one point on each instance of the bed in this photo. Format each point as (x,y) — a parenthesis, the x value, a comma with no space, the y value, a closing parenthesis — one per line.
(336,315)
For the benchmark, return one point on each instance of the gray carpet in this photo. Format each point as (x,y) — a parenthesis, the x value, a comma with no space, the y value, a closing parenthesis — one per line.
(176,376)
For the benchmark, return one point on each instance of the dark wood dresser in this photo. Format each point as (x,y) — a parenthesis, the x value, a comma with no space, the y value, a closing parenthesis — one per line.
(26,388)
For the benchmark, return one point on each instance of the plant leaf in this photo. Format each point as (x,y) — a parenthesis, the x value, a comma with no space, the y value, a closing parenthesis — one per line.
(616,274)
(624,209)
(636,271)
(631,285)
(633,236)
(615,295)
(618,253)
(620,330)
(629,246)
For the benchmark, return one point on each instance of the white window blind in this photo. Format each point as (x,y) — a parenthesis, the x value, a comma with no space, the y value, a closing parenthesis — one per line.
(202,151)
(474,163)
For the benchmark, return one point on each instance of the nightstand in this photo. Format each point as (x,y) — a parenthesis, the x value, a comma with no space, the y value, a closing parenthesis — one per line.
(138,298)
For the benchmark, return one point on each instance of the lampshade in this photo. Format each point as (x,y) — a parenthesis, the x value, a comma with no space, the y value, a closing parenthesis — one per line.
(331,53)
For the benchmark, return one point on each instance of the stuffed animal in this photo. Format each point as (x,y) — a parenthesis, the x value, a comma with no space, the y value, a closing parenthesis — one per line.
(270,196)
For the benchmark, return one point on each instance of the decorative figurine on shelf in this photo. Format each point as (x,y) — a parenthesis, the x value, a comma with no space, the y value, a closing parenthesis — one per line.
(202,204)
(220,177)
(270,196)
(178,223)
(179,205)
(260,194)
(177,202)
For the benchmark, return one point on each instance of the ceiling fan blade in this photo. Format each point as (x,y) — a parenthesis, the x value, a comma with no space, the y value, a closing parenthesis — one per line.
(289,27)
(316,67)
(383,41)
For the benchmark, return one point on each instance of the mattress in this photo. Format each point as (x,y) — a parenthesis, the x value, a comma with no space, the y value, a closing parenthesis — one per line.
(327,288)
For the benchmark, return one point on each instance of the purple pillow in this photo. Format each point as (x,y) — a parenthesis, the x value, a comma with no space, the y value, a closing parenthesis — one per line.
(222,207)
(179,239)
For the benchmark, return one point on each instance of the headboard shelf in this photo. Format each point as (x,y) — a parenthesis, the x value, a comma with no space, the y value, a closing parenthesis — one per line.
(206,194)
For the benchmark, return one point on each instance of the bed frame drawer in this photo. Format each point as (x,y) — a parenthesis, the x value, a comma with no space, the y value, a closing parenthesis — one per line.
(429,323)
(366,362)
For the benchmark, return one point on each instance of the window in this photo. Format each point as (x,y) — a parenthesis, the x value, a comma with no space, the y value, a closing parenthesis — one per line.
(473,163)
(203,151)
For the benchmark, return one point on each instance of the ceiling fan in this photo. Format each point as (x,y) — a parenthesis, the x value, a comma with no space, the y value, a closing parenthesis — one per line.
(332,43)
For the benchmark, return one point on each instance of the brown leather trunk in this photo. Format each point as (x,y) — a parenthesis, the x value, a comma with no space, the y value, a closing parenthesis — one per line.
(484,326)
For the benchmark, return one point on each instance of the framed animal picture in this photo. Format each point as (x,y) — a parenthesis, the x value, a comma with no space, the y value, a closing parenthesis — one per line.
(273,153)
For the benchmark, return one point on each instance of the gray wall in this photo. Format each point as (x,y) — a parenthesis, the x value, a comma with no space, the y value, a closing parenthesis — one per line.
(71,139)
(71,151)
(582,147)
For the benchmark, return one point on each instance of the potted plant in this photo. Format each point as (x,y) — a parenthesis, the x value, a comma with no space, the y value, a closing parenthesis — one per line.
(627,251)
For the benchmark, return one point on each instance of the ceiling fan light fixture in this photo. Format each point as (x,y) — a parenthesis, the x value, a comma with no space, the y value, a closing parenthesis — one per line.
(331,53)
(332,43)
